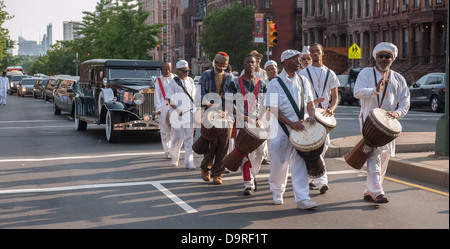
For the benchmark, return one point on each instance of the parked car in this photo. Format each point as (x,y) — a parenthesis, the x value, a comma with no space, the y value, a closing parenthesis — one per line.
(117,93)
(48,90)
(39,87)
(429,90)
(64,95)
(347,84)
(14,79)
(25,86)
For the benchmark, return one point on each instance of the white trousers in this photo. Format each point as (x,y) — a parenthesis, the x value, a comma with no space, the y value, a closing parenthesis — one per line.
(164,130)
(324,178)
(179,136)
(376,169)
(256,158)
(282,156)
(3,97)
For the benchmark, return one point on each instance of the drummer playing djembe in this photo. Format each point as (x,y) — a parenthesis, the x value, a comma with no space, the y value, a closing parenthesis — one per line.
(381,87)
(282,154)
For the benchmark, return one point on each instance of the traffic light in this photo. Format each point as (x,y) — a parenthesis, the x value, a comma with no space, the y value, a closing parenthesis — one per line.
(272,28)
(158,47)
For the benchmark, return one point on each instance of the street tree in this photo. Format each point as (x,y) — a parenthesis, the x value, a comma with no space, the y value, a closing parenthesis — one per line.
(5,42)
(229,30)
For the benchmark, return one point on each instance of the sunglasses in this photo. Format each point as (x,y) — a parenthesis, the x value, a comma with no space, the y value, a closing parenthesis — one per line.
(184,71)
(381,56)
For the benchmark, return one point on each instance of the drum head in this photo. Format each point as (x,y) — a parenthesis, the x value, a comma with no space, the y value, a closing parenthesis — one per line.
(385,121)
(325,118)
(258,132)
(311,138)
(215,119)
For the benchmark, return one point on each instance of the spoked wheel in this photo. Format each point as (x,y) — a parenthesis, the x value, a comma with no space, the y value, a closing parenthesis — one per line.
(112,135)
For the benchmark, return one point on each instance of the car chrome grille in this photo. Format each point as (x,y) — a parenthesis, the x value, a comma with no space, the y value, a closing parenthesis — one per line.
(148,107)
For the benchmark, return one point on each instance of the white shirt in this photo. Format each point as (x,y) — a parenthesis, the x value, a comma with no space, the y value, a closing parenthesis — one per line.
(176,94)
(160,103)
(318,75)
(4,84)
(282,102)
(397,93)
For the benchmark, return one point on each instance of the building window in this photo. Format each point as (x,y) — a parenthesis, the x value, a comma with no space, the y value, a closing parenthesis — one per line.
(313,8)
(351,9)
(305,11)
(164,14)
(416,41)
(330,18)
(367,8)
(385,35)
(344,11)
(359,9)
(438,1)
(305,40)
(416,4)
(320,7)
(427,3)
(337,12)
(395,6)
(395,36)
(404,42)
(376,37)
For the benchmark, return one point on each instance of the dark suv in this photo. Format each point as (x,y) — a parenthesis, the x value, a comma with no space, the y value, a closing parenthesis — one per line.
(429,90)
(118,93)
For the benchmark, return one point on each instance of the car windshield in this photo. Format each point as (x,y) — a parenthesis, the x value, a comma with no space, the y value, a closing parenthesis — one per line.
(28,82)
(18,77)
(137,75)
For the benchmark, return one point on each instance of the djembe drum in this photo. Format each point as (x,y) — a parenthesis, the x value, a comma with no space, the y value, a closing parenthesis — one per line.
(325,119)
(247,140)
(213,125)
(309,144)
(379,129)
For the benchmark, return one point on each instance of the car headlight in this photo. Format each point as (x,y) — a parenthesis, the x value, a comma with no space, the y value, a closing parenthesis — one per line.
(138,98)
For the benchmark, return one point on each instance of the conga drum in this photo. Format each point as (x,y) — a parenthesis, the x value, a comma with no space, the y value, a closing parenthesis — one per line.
(213,125)
(247,140)
(309,144)
(325,119)
(379,129)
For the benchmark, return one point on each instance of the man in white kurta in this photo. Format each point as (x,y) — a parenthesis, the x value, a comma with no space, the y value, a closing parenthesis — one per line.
(282,154)
(324,89)
(4,86)
(182,110)
(162,105)
(370,91)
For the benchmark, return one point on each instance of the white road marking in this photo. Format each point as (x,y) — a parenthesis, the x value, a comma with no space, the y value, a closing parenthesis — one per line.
(80,157)
(175,199)
(36,127)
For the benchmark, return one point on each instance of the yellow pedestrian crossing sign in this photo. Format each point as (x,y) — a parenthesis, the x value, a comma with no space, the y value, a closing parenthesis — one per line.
(354,52)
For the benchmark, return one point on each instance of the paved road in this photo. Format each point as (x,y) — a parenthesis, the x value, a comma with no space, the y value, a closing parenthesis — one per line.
(52,176)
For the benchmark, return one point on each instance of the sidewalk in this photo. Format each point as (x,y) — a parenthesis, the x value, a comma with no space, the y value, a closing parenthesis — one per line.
(414,157)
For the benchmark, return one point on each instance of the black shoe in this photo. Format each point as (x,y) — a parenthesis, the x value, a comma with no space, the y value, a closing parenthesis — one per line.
(249,191)
(381,199)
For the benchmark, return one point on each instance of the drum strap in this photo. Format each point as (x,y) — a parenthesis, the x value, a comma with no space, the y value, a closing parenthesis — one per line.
(299,113)
(162,89)
(324,85)
(385,87)
(255,91)
(178,80)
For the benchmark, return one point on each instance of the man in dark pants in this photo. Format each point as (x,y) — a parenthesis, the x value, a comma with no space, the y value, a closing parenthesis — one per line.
(214,81)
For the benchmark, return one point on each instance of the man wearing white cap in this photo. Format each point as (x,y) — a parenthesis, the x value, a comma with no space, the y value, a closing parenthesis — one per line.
(162,105)
(381,87)
(181,95)
(324,85)
(305,59)
(282,154)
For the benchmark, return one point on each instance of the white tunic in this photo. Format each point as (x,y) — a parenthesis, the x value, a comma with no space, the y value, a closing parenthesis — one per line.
(176,94)
(318,76)
(160,103)
(4,86)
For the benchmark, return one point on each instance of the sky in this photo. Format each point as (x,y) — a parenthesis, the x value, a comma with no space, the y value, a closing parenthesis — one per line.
(31,17)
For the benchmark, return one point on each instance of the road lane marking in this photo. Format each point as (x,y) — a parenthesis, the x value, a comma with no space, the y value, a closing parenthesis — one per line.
(80,157)
(416,186)
(175,198)
(36,127)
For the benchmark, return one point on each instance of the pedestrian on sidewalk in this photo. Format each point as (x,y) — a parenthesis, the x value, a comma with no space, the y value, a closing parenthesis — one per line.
(381,87)
(324,85)
(4,87)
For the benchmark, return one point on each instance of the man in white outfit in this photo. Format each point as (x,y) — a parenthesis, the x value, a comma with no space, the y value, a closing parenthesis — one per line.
(181,94)
(282,154)
(381,87)
(4,87)
(324,84)
(162,105)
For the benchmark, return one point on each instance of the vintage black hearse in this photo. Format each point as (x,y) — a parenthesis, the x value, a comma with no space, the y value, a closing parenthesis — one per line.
(118,93)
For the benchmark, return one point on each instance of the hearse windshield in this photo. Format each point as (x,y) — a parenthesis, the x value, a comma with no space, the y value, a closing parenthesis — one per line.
(142,76)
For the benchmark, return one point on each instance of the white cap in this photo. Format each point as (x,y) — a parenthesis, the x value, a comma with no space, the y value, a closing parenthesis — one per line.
(289,54)
(182,64)
(270,63)
(305,50)
(385,47)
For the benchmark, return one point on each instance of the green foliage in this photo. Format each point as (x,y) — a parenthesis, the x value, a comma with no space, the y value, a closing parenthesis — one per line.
(231,31)
(5,43)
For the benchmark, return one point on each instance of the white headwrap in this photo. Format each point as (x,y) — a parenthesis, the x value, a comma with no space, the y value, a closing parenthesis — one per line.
(305,50)
(289,54)
(270,63)
(182,64)
(385,47)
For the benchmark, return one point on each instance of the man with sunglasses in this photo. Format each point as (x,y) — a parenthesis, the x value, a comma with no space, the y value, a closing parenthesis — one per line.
(214,81)
(180,95)
(305,59)
(381,87)
(324,85)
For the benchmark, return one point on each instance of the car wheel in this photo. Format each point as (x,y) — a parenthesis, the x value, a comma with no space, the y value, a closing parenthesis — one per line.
(79,124)
(112,135)
(57,110)
(434,104)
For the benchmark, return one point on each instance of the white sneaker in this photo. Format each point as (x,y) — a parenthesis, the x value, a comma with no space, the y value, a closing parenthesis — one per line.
(306,204)
(174,164)
(191,166)
(278,200)
(168,155)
